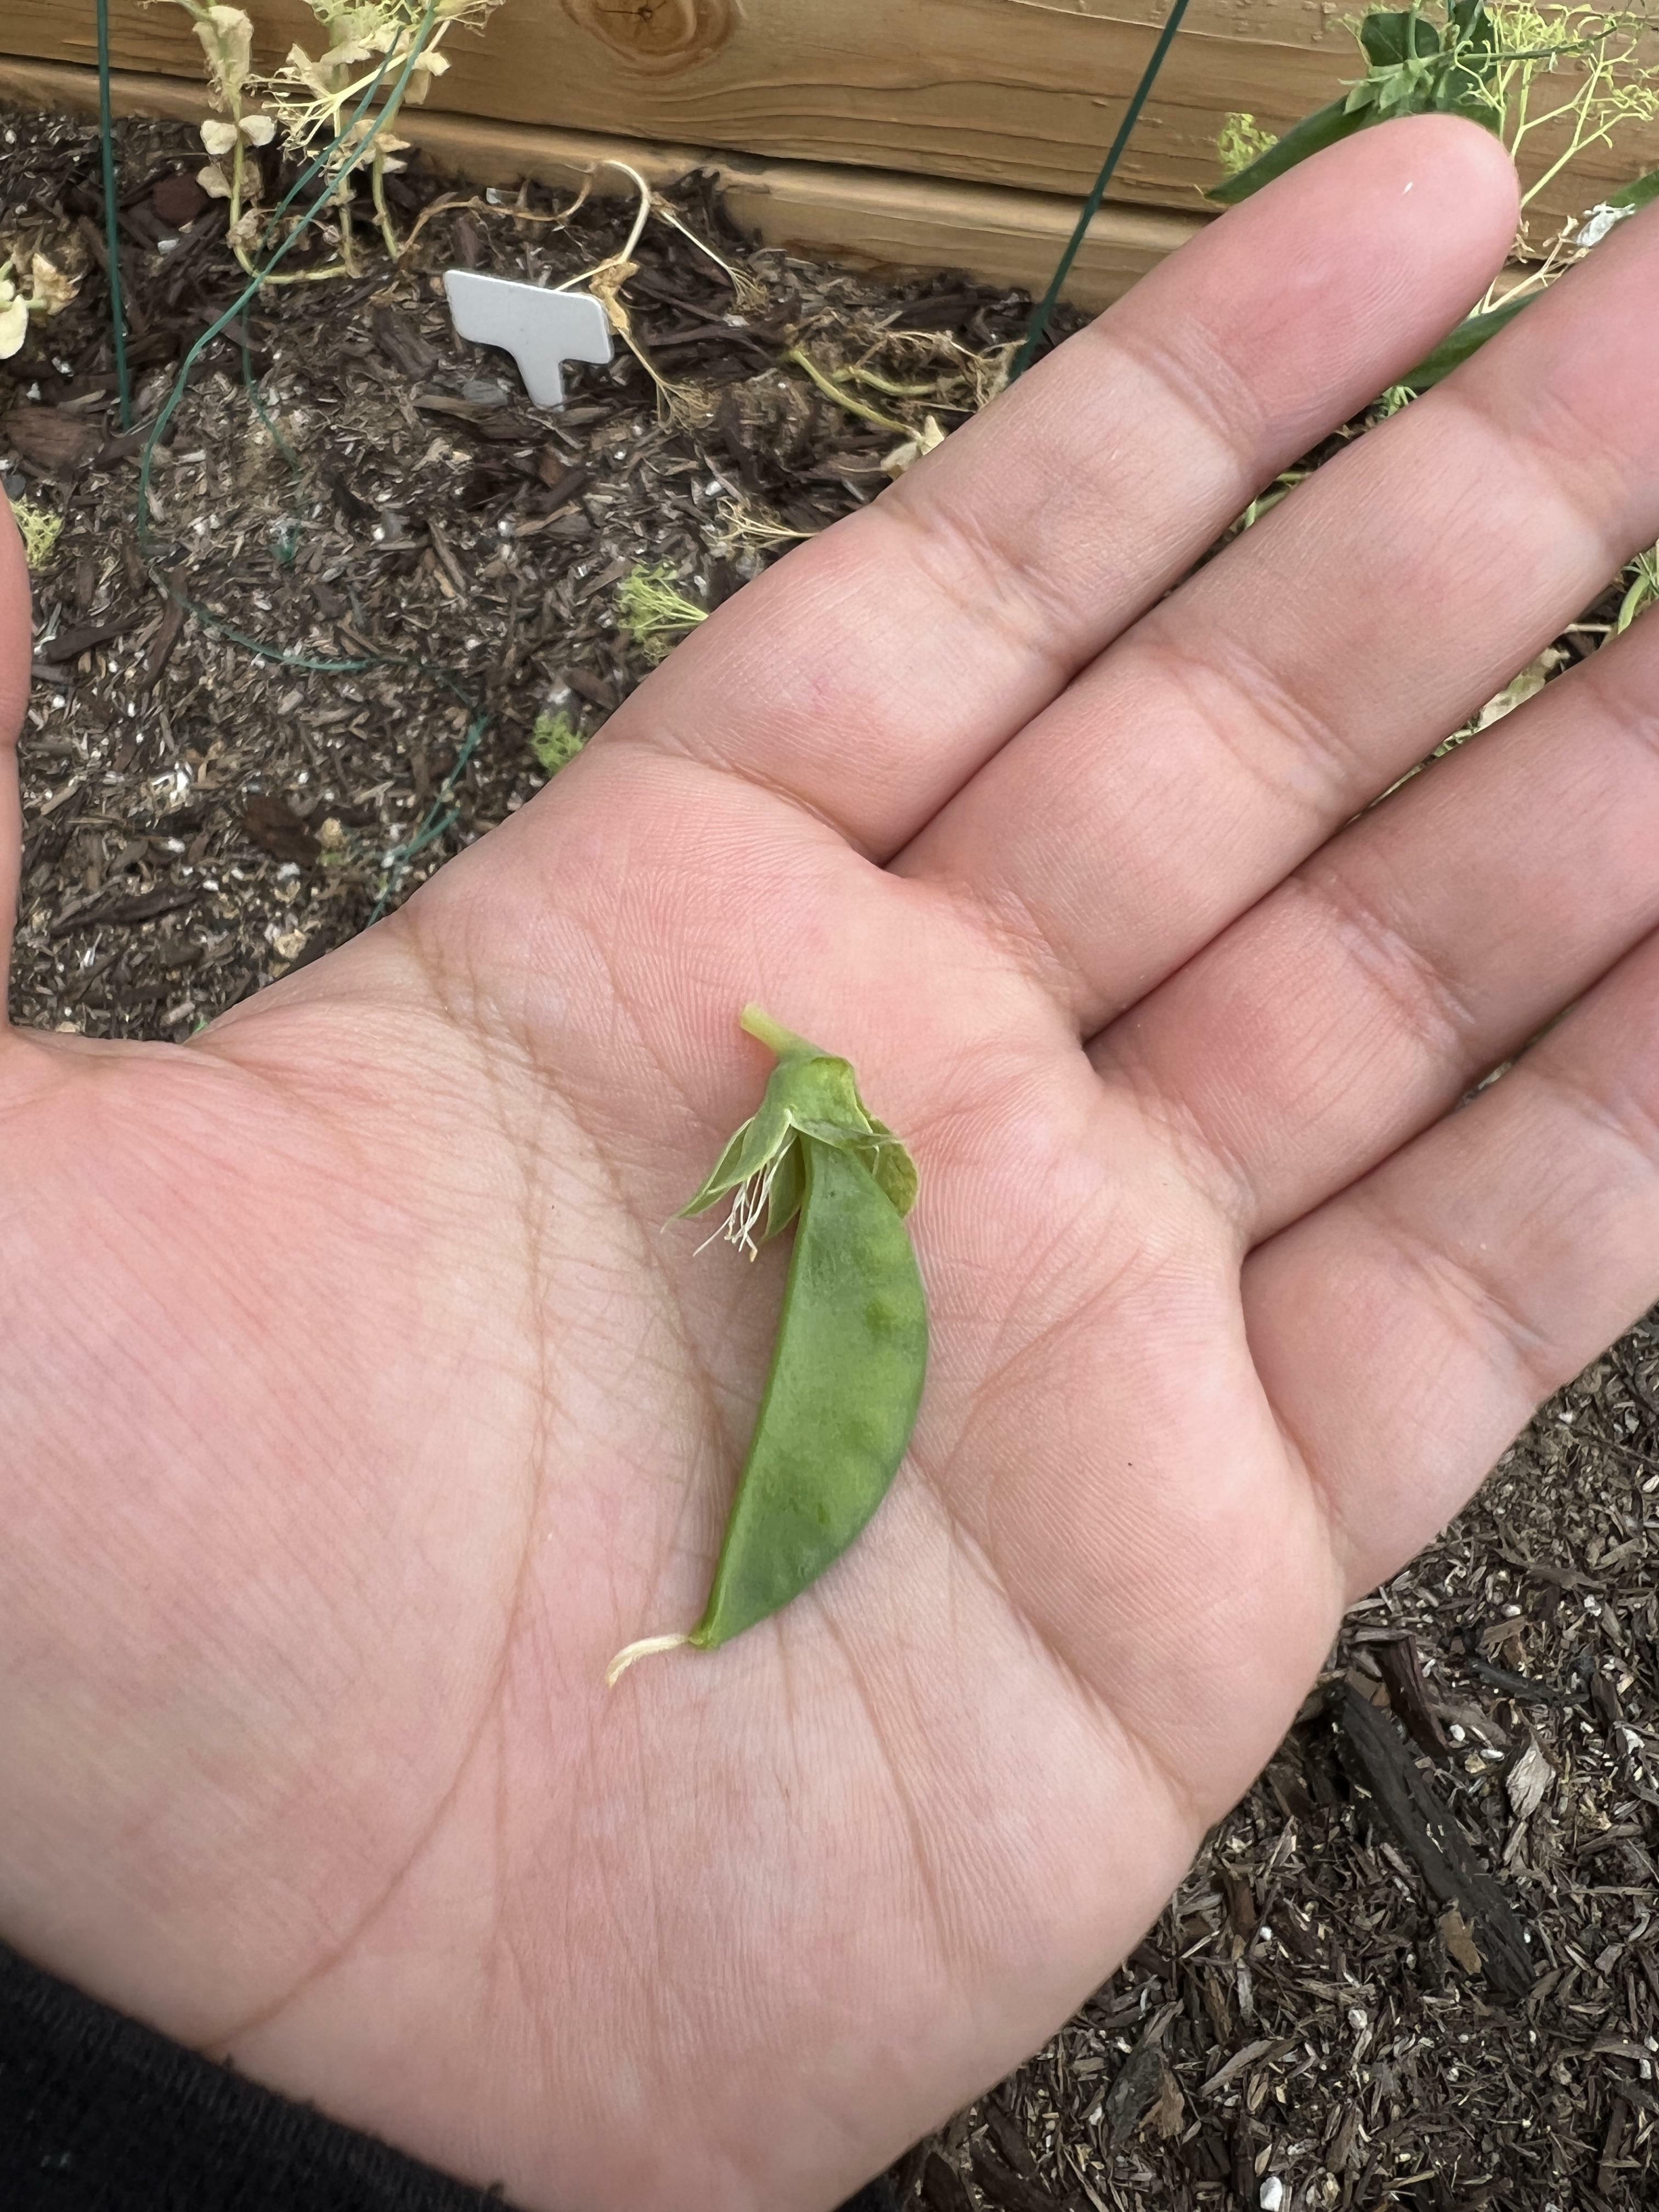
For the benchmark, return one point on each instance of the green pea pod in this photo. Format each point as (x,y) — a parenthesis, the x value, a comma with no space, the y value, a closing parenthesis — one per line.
(1311,135)
(1462,344)
(1641,194)
(841,1399)
(848,1366)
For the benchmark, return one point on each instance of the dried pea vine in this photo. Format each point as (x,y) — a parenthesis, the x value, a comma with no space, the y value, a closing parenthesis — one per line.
(846,1370)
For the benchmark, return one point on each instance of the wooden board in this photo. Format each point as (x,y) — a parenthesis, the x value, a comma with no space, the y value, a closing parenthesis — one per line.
(866,217)
(1021,93)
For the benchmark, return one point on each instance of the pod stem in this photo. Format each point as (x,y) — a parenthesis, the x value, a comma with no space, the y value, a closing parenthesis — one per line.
(643,1649)
(782,1043)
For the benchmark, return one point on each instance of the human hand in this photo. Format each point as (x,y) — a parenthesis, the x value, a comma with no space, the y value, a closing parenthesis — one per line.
(359,1411)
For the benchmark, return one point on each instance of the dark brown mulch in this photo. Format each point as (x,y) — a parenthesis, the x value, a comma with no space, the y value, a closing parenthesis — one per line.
(1419,1966)
(1328,2005)
(200,817)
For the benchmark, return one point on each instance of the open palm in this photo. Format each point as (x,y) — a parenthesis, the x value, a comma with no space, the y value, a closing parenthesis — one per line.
(359,1408)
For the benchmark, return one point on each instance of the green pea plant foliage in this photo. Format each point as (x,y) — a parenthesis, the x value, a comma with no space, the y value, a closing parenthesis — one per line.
(1414,67)
(846,1376)
(1577,75)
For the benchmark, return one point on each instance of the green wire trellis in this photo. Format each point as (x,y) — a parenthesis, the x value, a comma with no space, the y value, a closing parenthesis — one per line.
(1050,300)
(112,222)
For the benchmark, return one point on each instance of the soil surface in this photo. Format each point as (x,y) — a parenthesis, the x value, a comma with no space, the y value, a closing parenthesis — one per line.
(1419,1966)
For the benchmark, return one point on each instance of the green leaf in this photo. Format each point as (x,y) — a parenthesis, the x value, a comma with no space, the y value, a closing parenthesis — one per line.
(810,1094)
(783,1199)
(1641,194)
(1411,73)
(1391,36)
(1462,91)
(894,1172)
(1477,34)
(878,1150)
(808,1091)
(1311,135)
(819,1087)
(1467,338)
(745,1155)
(842,1133)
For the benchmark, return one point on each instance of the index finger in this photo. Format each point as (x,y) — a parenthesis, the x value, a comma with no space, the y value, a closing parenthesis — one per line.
(872,671)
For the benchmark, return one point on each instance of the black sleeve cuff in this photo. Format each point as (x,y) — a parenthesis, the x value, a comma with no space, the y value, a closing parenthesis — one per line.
(100,2114)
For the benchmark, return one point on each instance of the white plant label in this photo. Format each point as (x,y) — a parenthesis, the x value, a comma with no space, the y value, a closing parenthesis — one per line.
(542,330)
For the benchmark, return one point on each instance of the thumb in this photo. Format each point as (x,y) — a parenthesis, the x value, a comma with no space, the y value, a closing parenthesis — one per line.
(13,693)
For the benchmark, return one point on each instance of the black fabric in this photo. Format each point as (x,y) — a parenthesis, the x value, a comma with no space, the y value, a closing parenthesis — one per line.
(100,2114)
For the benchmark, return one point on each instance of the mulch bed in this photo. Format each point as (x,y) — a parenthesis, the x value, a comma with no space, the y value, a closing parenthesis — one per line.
(202,818)
(1419,1966)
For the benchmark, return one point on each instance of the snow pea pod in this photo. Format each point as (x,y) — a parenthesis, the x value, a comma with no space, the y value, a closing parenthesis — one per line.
(841,1399)
(846,1370)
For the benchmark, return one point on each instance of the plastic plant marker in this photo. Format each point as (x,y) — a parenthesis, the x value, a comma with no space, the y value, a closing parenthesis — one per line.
(542,330)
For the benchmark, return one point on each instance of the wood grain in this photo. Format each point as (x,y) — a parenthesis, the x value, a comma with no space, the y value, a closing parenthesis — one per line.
(1021,93)
(1409,1803)
(868,218)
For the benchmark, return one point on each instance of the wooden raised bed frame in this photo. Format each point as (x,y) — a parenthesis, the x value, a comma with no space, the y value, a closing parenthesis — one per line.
(893,133)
